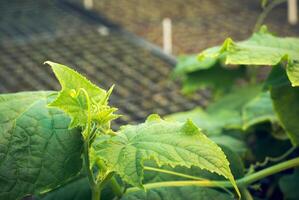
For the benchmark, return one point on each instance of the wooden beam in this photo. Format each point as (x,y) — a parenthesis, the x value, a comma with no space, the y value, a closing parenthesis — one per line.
(292,12)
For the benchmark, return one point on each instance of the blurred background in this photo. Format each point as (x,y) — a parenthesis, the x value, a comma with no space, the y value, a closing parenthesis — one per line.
(130,43)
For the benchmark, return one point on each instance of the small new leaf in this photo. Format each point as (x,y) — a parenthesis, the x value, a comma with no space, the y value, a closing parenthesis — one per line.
(80,98)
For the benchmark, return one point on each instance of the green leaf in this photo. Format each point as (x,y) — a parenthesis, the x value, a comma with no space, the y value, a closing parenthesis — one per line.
(259,109)
(218,78)
(285,99)
(262,48)
(76,189)
(190,63)
(190,192)
(206,73)
(276,78)
(181,193)
(286,104)
(240,109)
(79,98)
(264,137)
(212,123)
(168,143)
(231,142)
(289,185)
(37,151)
(236,99)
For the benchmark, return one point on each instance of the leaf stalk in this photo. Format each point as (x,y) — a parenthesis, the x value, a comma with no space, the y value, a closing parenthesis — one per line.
(242,183)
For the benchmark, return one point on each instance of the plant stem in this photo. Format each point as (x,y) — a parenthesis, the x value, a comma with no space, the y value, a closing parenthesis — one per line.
(275,159)
(172,173)
(87,166)
(245,194)
(266,11)
(181,175)
(243,182)
(116,188)
(247,180)
(95,187)
(96,194)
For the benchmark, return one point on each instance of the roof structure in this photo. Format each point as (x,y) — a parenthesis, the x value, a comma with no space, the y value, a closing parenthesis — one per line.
(196,24)
(32,32)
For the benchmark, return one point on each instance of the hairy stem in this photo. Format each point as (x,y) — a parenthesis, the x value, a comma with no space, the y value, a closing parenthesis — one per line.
(96,194)
(181,175)
(116,188)
(90,176)
(243,182)
(95,187)
(266,11)
(245,194)
(247,180)
(172,173)
(275,159)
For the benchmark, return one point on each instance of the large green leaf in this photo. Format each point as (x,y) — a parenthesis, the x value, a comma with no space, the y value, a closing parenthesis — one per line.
(182,193)
(76,189)
(37,151)
(168,143)
(79,98)
(289,185)
(262,48)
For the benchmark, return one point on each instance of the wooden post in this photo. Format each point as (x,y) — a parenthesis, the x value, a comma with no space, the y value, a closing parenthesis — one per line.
(88,4)
(167,36)
(292,12)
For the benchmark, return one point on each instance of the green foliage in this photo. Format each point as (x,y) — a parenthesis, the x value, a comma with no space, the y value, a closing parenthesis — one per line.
(168,143)
(189,63)
(206,73)
(262,48)
(180,193)
(190,192)
(286,103)
(37,151)
(81,99)
(124,152)
(258,110)
(244,109)
(225,140)
(76,189)
(41,148)
(240,109)
(289,185)
(218,78)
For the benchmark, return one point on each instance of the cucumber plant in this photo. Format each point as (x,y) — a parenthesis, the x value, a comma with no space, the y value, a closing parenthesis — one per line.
(50,140)
(60,145)
(243,102)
